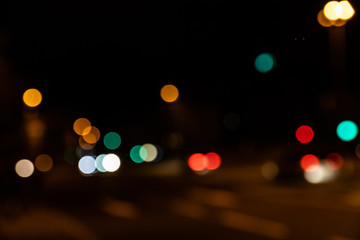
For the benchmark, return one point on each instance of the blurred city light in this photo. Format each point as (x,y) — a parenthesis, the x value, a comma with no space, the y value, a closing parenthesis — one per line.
(197,162)
(135,154)
(304,134)
(264,62)
(99,163)
(347,130)
(169,93)
(334,161)
(269,170)
(24,168)
(309,162)
(111,162)
(347,10)
(151,152)
(334,10)
(84,145)
(320,175)
(92,136)
(87,165)
(112,140)
(32,97)
(80,125)
(213,161)
(43,163)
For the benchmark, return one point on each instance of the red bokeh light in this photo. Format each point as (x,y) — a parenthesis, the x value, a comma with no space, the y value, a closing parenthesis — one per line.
(198,162)
(309,163)
(334,161)
(214,161)
(304,134)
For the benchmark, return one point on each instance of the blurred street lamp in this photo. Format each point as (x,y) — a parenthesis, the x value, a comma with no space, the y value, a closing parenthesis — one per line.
(334,16)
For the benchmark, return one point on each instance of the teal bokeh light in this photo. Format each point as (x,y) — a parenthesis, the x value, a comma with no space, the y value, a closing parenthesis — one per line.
(138,154)
(112,140)
(347,130)
(264,62)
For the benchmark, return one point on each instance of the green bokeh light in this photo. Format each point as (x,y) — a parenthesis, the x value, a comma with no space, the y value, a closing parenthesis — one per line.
(347,130)
(137,154)
(112,140)
(264,62)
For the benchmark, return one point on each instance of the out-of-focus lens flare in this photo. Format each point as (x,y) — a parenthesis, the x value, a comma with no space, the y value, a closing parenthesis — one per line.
(111,162)
(112,140)
(80,125)
(32,97)
(169,93)
(347,130)
(24,168)
(333,10)
(231,121)
(304,134)
(213,161)
(87,165)
(43,163)
(322,20)
(320,175)
(84,145)
(135,154)
(198,162)
(269,170)
(347,10)
(334,161)
(92,136)
(151,152)
(99,163)
(309,162)
(264,62)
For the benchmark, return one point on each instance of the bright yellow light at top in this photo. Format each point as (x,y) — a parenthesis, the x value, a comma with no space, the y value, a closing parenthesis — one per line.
(347,10)
(169,93)
(32,97)
(334,10)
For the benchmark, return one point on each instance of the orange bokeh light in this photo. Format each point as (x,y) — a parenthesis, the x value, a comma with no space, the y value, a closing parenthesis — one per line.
(169,93)
(81,126)
(92,136)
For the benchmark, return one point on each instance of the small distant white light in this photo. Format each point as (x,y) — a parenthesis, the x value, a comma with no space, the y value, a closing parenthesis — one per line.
(87,165)
(111,162)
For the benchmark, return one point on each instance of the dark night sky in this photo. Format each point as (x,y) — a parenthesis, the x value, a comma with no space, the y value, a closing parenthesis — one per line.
(94,58)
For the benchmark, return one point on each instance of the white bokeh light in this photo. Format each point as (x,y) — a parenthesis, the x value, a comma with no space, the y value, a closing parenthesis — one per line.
(87,165)
(111,162)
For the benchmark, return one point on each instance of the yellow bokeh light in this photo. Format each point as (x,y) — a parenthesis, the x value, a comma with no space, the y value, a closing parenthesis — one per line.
(93,135)
(169,93)
(43,163)
(334,10)
(32,97)
(81,126)
(24,168)
(347,10)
